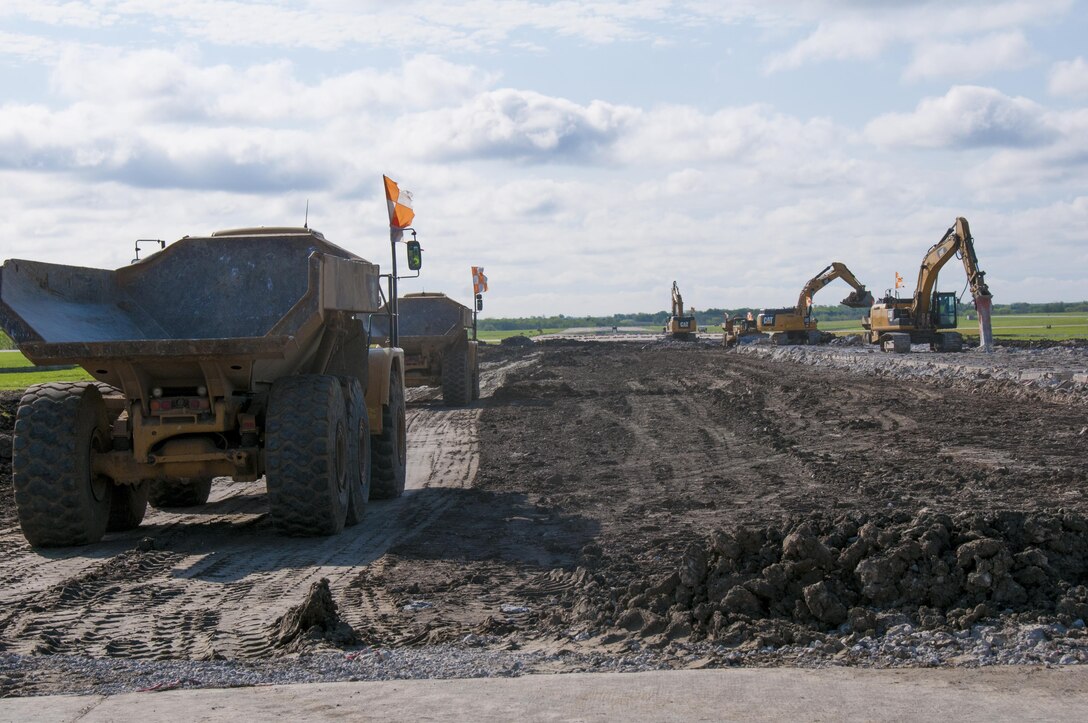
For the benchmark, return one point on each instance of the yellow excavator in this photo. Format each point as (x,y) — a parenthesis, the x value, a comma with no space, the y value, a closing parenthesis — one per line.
(680,326)
(896,323)
(796,324)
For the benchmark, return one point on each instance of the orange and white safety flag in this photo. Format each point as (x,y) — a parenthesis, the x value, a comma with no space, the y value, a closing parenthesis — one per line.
(400,205)
(479,281)
(898,281)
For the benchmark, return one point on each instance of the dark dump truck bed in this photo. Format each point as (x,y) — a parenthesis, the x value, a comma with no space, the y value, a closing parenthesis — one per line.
(255,301)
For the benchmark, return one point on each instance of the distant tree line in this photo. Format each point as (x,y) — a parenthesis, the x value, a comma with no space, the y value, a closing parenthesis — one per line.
(713,317)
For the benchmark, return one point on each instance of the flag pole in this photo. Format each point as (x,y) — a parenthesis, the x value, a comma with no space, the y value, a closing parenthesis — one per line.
(395,235)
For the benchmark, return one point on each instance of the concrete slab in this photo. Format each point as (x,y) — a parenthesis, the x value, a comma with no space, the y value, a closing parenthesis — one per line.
(988,694)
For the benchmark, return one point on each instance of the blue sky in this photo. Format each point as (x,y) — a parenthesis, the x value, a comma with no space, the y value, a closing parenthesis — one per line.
(585,153)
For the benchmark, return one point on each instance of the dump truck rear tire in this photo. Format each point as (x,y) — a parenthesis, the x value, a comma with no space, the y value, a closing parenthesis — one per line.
(179,493)
(359,466)
(59,500)
(128,506)
(456,376)
(390,450)
(308,449)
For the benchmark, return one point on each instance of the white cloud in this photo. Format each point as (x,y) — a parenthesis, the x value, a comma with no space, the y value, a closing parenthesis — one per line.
(516,125)
(965,117)
(864,31)
(970,59)
(169,86)
(855,39)
(1069,78)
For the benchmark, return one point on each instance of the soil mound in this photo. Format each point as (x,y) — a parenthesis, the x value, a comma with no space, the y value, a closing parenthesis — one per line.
(517,341)
(313,620)
(847,573)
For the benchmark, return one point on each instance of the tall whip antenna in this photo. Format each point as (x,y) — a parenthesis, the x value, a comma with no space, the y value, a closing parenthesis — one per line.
(306,221)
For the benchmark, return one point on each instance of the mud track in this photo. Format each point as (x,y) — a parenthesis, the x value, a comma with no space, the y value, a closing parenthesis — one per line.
(605,493)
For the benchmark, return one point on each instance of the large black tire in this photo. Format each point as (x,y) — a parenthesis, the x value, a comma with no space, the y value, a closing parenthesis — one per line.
(58,499)
(359,466)
(456,376)
(128,506)
(308,450)
(390,448)
(179,493)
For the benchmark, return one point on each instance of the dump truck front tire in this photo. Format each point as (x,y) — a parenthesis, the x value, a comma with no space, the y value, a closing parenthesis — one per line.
(128,506)
(308,449)
(60,501)
(180,493)
(390,448)
(456,376)
(359,468)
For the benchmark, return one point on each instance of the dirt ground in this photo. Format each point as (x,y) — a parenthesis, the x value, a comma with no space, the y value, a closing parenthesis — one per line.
(605,493)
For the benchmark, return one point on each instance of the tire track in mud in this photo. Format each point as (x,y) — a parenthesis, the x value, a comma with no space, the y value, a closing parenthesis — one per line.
(219,577)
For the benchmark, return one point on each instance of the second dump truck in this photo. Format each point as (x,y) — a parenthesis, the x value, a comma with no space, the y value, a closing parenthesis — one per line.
(243,354)
(438,336)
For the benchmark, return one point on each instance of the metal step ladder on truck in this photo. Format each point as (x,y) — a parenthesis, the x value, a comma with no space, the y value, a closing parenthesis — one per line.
(895,324)
(242,354)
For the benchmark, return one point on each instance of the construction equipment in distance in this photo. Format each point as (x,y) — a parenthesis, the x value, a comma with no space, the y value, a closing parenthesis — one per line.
(680,326)
(796,324)
(896,323)
(736,329)
(438,336)
(239,354)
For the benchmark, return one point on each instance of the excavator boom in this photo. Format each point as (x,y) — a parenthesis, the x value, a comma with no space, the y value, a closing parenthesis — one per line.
(859,298)
(797,325)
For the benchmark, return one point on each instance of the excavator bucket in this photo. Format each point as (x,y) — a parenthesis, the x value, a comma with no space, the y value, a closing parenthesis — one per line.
(859,299)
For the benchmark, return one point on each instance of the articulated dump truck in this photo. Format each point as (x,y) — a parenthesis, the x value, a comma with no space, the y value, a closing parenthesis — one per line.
(438,336)
(242,354)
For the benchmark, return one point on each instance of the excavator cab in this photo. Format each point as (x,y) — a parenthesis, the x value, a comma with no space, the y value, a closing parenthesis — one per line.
(944,310)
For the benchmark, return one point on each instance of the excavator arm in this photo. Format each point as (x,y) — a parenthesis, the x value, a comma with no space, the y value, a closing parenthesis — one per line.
(859,298)
(677,301)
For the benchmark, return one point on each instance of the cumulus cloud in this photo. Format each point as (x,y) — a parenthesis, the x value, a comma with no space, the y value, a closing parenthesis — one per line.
(1069,77)
(971,59)
(165,85)
(863,31)
(515,124)
(965,117)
